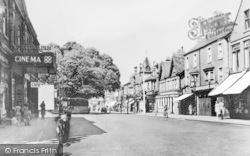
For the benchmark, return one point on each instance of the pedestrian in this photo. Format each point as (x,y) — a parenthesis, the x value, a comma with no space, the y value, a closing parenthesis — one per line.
(42,109)
(60,108)
(60,130)
(27,115)
(190,109)
(165,111)
(217,109)
(222,109)
(18,113)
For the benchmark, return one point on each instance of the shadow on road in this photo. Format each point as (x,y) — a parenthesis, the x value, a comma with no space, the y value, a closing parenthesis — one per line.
(81,128)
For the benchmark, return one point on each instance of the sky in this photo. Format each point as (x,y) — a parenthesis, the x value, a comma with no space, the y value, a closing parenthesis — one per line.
(127,30)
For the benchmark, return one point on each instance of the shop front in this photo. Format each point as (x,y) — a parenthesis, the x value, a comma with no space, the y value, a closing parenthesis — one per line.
(237,97)
(4,84)
(24,71)
(206,104)
(183,103)
(150,101)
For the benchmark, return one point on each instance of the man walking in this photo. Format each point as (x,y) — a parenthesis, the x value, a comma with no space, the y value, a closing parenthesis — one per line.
(165,111)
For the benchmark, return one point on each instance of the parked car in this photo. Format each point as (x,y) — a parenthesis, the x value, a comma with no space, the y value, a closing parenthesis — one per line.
(103,110)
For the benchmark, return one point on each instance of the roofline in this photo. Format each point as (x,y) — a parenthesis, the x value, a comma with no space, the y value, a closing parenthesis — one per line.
(226,36)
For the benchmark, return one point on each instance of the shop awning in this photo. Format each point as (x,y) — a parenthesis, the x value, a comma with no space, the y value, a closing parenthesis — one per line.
(182,97)
(226,84)
(239,86)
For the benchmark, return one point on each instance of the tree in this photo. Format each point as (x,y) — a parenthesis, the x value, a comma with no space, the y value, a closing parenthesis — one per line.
(83,72)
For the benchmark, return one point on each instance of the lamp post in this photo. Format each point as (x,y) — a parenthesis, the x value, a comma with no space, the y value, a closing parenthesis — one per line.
(143,91)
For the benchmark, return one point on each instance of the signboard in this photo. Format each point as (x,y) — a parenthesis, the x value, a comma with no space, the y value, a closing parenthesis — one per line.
(211,27)
(39,59)
(34,84)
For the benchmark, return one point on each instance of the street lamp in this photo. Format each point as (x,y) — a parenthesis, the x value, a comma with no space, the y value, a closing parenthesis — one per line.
(143,92)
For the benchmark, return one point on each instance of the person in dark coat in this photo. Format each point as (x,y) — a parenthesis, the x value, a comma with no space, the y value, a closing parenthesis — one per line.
(42,109)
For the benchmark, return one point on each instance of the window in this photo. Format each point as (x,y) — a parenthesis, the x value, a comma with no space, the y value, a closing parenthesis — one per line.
(4,26)
(209,76)
(247,19)
(220,75)
(4,22)
(194,80)
(187,63)
(188,81)
(247,55)
(195,60)
(19,37)
(220,52)
(236,51)
(209,55)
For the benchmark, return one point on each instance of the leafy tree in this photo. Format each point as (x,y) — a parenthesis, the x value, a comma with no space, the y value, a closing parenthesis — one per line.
(83,72)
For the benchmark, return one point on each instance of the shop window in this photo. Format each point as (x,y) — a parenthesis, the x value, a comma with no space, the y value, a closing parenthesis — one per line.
(247,19)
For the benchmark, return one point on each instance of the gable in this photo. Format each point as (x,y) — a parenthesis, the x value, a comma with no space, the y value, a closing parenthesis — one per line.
(239,30)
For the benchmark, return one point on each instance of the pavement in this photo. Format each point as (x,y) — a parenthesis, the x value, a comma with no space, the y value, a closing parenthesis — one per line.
(203,118)
(226,120)
(39,131)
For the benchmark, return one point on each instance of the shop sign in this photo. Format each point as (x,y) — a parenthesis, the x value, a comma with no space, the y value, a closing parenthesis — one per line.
(34,84)
(211,27)
(40,59)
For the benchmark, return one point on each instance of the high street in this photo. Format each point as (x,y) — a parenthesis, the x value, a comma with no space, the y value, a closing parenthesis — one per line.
(121,134)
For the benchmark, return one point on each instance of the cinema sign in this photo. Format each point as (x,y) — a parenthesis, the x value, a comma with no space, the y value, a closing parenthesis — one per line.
(39,59)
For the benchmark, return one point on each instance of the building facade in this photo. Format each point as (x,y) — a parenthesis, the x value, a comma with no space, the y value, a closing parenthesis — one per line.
(206,66)
(237,94)
(17,37)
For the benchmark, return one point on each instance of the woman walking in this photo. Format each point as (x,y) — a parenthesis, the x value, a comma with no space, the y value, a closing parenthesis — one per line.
(18,114)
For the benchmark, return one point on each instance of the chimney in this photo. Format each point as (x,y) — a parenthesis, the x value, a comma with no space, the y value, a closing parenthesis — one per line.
(168,59)
(182,49)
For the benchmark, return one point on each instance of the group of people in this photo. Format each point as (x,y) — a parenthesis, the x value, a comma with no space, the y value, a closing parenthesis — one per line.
(219,109)
(23,113)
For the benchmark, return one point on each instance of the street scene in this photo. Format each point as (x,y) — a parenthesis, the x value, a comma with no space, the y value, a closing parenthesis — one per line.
(124,77)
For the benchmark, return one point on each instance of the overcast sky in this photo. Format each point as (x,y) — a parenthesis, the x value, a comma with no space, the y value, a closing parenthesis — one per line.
(127,30)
